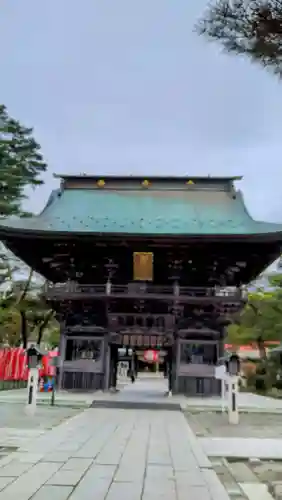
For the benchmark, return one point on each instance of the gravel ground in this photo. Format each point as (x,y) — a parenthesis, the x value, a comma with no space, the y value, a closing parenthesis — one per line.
(13,416)
(252,425)
(233,473)
(17,429)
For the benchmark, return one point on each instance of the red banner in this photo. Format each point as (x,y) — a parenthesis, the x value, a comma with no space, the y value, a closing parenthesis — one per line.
(13,364)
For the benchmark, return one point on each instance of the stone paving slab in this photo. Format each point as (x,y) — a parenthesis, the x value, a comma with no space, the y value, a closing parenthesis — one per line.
(4,481)
(256,491)
(112,455)
(14,469)
(242,447)
(53,493)
(26,485)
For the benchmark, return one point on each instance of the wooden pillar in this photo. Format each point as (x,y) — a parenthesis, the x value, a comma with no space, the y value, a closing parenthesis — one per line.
(177,348)
(114,353)
(171,368)
(107,362)
(221,342)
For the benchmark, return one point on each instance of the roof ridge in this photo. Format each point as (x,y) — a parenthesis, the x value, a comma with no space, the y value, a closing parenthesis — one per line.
(147,176)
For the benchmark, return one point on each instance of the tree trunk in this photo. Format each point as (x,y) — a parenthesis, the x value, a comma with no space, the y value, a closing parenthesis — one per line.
(26,288)
(23,329)
(43,325)
(261,348)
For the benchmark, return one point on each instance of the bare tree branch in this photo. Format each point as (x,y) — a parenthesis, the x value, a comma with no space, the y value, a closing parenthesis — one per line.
(23,328)
(23,294)
(43,325)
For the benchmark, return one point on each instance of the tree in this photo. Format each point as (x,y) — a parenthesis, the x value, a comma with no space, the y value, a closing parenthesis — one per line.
(25,319)
(260,320)
(53,335)
(10,266)
(24,313)
(10,327)
(247,27)
(21,163)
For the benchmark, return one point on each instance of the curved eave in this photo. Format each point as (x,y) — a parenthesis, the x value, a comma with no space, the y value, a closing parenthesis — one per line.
(157,214)
(21,229)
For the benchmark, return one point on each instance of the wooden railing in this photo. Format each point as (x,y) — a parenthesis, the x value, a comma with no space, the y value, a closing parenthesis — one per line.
(58,290)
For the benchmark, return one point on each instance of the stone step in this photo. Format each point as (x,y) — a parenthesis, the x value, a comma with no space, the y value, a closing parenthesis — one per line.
(136,405)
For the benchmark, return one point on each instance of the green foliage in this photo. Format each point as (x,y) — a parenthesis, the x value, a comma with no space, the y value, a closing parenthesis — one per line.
(247,27)
(10,327)
(276,282)
(9,266)
(260,320)
(24,314)
(21,163)
(25,321)
(52,337)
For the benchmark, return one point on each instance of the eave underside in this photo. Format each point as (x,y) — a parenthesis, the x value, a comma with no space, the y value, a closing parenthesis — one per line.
(205,261)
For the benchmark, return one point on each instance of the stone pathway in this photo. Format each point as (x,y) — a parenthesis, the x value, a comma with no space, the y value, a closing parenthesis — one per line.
(113,453)
(145,393)
(107,454)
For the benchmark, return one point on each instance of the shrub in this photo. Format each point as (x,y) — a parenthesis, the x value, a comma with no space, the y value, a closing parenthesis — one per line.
(261,382)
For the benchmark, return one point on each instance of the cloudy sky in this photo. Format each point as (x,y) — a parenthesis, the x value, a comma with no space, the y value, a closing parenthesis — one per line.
(124,86)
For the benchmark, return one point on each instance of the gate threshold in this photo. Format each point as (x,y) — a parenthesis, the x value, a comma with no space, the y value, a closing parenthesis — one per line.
(137,405)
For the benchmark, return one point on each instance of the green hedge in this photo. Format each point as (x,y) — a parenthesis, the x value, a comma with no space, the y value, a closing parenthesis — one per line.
(7,385)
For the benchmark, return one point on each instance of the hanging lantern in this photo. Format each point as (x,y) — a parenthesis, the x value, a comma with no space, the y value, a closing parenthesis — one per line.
(151,356)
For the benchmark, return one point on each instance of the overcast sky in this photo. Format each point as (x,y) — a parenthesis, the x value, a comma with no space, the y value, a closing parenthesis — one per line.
(126,86)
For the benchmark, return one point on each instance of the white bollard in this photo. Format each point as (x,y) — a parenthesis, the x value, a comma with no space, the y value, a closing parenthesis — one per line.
(220,374)
(233,412)
(223,394)
(32,389)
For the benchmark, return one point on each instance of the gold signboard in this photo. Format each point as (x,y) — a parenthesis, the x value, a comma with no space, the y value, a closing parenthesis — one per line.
(143,266)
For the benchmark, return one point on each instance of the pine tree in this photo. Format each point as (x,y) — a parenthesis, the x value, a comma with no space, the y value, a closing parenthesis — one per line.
(21,164)
(247,27)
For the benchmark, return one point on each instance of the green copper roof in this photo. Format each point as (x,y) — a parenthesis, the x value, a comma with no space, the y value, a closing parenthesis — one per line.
(161,209)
